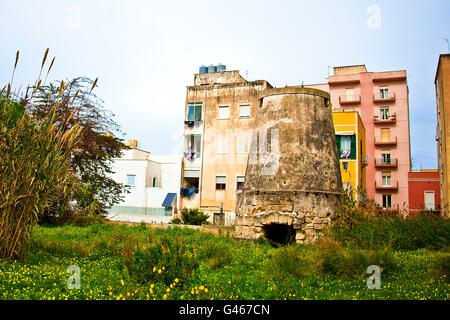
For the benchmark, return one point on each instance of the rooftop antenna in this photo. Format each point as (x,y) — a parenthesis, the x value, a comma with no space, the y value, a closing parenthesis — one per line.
(448,45)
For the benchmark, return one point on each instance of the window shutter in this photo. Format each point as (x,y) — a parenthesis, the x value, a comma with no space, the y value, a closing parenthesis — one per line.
(338,144)
(221,179)
(353,150)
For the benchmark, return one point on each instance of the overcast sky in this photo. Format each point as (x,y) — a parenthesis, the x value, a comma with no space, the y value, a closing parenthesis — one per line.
(145,53)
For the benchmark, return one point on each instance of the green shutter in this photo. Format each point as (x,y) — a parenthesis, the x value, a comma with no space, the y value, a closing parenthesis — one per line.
(190,116)
(353,146)
(338,144)
(198,112)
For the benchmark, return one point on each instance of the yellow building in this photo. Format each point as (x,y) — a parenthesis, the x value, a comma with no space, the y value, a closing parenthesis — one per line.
(351,145)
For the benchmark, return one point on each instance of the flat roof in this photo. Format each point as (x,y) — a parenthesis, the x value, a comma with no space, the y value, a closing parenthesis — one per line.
(439,64)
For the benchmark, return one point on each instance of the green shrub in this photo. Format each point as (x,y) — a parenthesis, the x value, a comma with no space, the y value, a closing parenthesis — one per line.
(442,267)
(352,263)
(193,217)
(217,255)
(293,261)
(358,226)
(165,259)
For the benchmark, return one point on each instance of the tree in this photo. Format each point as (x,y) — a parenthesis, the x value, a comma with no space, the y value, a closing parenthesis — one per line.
(96,146)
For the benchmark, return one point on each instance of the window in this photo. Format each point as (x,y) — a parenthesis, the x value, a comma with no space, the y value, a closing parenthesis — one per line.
(384,93)
(345,147)
(387,181)
(385,135)
(194,111)
(387,201)
(154,182)
(222,145)
(386,157)
(131,180)
(240,182)
(429,200)
(243,144)
(349,93)
(345,166)
(190,184)
(384,113)
(244,111)
(193,146)
(221,182)
(224,112)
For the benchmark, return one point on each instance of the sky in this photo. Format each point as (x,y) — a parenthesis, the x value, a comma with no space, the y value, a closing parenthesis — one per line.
(146,52)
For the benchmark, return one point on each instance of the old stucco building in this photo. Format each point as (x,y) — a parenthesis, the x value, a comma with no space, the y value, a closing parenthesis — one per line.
(220,111)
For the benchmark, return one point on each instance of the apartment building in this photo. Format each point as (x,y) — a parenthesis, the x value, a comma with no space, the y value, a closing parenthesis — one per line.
(220,111)
(382,101)
(153,181)
(351,145)
(442,85)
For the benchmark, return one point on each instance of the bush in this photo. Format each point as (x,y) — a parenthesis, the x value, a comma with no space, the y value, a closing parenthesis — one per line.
(352,263)
(193,217)
(442,267)
(293,261)
(217,255)
(165,259)
(34,172)
(358,227)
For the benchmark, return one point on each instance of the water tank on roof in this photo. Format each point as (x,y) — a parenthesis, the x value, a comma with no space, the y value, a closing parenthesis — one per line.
(212,68)
(221,67)
(203,69)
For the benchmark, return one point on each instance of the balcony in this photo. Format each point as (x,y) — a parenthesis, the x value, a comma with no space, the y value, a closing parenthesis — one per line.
(386,185)
(346,100)
(365,160)
(390,119)
(384,97)
(386,163)
(391,141)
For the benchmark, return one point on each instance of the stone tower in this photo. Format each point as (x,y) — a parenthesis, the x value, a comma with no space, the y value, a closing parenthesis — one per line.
(293,180)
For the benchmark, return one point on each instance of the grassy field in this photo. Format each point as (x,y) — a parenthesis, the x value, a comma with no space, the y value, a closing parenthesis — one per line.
(121,262)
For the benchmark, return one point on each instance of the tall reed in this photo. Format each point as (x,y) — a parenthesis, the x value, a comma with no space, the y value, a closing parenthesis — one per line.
(34,171)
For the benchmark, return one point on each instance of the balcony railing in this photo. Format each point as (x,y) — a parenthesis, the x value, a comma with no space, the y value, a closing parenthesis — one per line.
(384,97)
(390,119)
(386,142)
(386,163)
(350,99)
(365,160)
(386,185)
(193,123)
(191,155)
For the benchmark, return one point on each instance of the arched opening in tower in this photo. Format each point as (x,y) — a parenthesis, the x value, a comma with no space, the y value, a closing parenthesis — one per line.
(279,234)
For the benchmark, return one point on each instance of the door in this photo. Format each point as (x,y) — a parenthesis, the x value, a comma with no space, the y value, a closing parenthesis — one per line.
(429,200)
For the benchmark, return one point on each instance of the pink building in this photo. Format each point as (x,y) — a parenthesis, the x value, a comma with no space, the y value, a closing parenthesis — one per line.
(381,98)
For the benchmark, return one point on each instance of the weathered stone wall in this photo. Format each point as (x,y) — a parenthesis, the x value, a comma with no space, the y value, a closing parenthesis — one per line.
(303,185)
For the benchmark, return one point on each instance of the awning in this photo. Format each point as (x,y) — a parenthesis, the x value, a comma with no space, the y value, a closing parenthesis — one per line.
(169,200)
(191,173)
(345,133)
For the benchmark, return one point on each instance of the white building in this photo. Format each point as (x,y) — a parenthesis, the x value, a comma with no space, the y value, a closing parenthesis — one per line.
(154,182)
